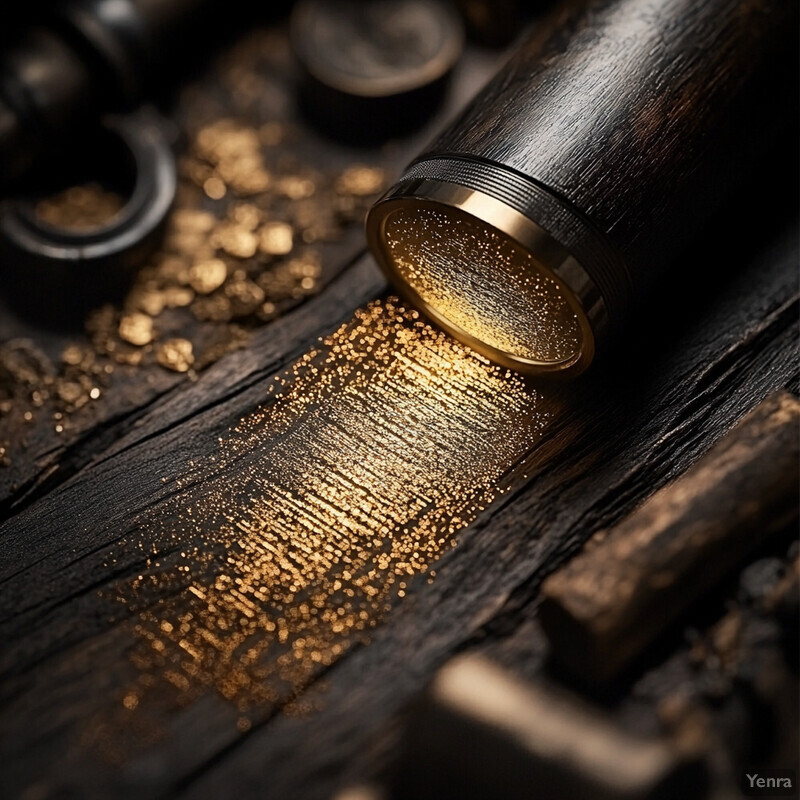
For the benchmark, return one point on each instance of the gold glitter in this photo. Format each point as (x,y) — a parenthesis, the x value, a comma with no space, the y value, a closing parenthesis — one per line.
(235,240)
(296,188)
(206,276)
(177,296)
(244,297)
(361,181)
(80,208)
(370,454)
(247,216)
(176,354)
(72,355)
(136,329)
(497,294)
(190,219)
(291,191)
(275,239)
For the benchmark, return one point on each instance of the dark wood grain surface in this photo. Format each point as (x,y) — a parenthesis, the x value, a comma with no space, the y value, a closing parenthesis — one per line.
(77,530)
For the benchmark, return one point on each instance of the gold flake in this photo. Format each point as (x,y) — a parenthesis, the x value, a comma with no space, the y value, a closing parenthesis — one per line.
(175,354)
(275,239)
(177,296)
(190,219)
(136,329)
(235,240)
(206,276)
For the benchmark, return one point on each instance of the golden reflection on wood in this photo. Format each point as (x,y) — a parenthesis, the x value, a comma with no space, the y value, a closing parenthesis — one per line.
(372,452)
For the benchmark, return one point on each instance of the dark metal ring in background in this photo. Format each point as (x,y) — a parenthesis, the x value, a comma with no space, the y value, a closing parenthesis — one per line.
(56,274)
(114,37)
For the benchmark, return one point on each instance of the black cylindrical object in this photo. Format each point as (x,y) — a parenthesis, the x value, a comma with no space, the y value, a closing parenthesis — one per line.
(538,221)
(88,57)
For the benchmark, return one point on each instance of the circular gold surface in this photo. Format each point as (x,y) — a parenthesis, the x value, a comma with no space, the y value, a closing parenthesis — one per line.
(481,283)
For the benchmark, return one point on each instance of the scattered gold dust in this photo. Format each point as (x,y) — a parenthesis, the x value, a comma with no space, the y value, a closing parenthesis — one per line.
(370,454)
(176,354)
(296,188)
(497,294)
(247,216)
(275,209)
(80,208)
(190,219)
(72,355)
(136,329)
(361,181)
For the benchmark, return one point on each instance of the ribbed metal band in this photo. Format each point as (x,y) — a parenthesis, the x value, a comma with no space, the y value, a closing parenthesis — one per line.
(564,223)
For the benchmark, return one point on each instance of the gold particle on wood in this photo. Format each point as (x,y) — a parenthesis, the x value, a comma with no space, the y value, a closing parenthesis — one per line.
(276,239)
(244,297)
(190,219)
(176,355)
(235,240)
(369,456)
(208,275)
(224,267)
(136,329)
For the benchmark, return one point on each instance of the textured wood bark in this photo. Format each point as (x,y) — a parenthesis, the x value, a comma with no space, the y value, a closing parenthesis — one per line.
(677,384)
(613,600)
(620,436)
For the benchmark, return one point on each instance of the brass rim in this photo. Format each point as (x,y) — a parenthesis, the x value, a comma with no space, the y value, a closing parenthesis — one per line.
(551,258)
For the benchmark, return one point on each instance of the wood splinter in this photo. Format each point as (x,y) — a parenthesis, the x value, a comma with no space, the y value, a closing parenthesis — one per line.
(615,598)
(481,732)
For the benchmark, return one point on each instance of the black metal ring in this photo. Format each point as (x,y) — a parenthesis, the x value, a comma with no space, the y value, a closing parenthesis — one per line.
(58,274)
